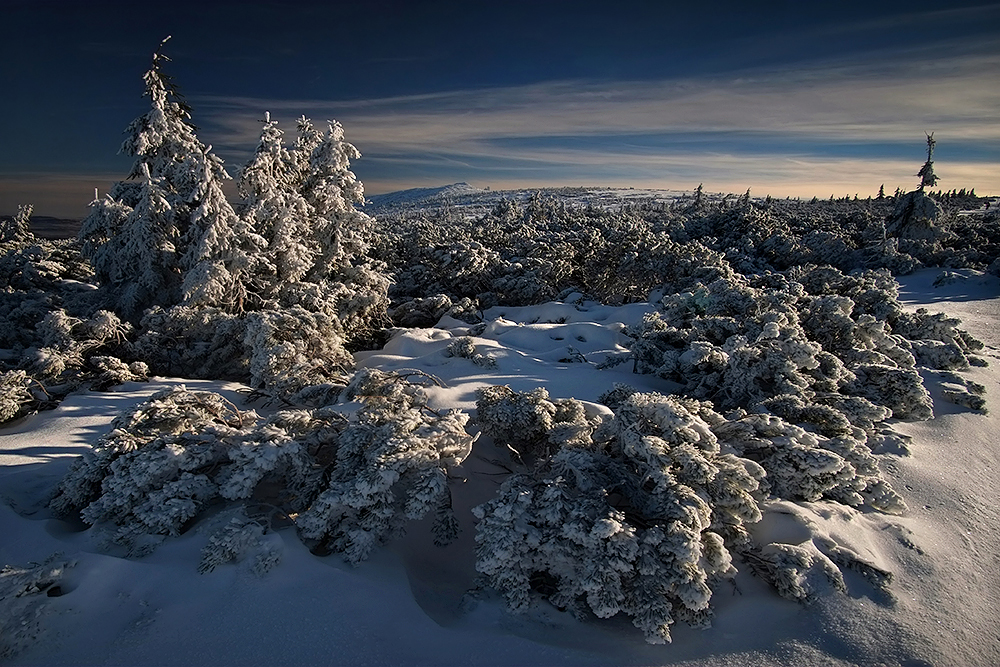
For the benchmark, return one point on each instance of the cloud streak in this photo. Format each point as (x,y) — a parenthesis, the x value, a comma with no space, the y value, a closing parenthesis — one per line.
(493,132)
(828,128)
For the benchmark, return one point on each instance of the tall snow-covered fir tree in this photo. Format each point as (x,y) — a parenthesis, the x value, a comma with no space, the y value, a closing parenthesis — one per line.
(167,235)
(302,201)
(273,206)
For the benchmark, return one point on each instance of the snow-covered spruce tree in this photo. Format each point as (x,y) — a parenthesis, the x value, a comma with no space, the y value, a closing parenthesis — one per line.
(167,244)
(926,173)
(637,516)
(277,211)
(168,235)
(302,201)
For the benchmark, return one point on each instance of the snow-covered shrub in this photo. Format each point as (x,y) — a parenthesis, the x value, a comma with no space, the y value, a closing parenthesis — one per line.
(464,347)
(73,353)
(239,538)
(354,473)
(294,348)
(962,391)
(803,465)
(531,424)
(797,571)
(167,459)
(390,464)
(938,355)
(183,341)
(152,472)
(641,512)
(899,389)
(815,336)
(925,326)
(634,519)
(15,394)
(914,216)
(421,312)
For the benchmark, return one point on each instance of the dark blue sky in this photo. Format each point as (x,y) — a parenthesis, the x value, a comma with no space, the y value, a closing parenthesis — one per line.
(791,98)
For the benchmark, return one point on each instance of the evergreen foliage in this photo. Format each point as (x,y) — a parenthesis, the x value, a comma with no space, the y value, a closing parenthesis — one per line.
(926,173)
(354,472)
(636,516)
(641,513)
(168,235)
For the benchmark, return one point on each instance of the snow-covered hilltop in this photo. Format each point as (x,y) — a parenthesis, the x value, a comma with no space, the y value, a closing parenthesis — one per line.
(479,200)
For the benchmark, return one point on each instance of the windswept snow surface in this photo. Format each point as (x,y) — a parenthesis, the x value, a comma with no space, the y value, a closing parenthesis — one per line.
(409,604)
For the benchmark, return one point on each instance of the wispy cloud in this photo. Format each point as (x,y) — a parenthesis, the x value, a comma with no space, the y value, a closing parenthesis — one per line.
(496,131)
(851,103)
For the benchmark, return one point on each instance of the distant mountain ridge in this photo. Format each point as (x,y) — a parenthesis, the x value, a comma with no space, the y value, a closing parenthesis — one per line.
(473,199)
(407,198)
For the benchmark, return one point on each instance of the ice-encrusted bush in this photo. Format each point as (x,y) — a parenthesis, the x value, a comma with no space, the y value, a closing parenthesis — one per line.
(899,389)
(70,353)
(464,348)
(353,473)
(807,570)
(76,350)
(925,326)
(636,517)
(295,348)
(531,424)
(820,336)
(50,326)
(239,538)
(15,394)
(204,343)
(804,465)
(421,312)
(642,512)
(157,467)
(391,464)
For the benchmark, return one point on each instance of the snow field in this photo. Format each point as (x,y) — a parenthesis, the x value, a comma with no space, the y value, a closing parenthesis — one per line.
(408,604)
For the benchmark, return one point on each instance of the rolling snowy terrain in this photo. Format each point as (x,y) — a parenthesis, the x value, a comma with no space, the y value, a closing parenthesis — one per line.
(456,426)
(411,603)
